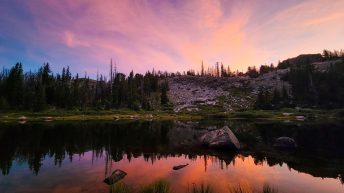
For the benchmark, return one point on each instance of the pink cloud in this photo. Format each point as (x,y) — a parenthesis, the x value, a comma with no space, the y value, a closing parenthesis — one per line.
(72,41)
(178,35)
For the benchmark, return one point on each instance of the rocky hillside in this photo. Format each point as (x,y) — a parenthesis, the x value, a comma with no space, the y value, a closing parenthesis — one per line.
(193,93)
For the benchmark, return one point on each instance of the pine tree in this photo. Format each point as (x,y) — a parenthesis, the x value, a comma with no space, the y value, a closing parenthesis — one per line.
(14,85)
(164,89)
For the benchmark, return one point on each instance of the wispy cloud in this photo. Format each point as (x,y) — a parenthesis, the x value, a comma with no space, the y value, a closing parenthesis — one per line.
(169,35)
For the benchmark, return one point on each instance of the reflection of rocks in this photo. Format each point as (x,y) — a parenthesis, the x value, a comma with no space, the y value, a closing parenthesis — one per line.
(222,138)
(180,167)
(116,176)
(285,143)
(319,153)
(187,136)
(184,135)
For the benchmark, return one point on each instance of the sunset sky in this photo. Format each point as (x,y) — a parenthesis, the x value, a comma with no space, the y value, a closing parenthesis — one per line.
(165,34)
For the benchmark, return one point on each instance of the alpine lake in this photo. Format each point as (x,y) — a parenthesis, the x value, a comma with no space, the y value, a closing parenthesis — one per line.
(76,156)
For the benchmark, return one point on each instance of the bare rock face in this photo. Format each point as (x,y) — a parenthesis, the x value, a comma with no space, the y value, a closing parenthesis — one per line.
(116,176)
(222,138)
(285,143)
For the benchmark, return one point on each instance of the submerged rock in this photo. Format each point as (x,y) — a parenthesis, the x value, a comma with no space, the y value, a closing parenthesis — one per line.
(179,167)
(300,118)
(285,143)
(116,176)
(222,138)
(22,118)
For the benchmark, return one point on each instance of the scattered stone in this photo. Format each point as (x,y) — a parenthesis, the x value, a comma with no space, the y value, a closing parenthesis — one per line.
(285,143)
(149,116)
(300,118)
(48,119)
(222,138)
(22,122)
(22,118)
(179,167)
(287,114)
(116,176)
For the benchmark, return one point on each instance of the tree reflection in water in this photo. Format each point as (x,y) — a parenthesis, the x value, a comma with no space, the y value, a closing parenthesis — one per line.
(319,153)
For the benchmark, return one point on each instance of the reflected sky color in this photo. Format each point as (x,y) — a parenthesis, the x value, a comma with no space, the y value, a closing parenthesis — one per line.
(85,175)
(167,35)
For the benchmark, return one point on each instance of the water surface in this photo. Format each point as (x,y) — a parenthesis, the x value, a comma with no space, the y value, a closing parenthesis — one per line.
(76,156)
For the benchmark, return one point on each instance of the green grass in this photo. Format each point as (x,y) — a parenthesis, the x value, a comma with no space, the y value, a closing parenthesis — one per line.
(202,189)
(159,186)
(247,189)
(214,112)
(102,115)
(120,187)
(163,186)
(268,189)
(240,189)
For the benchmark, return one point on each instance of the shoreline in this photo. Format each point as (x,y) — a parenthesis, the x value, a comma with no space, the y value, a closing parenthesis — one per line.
(124,114)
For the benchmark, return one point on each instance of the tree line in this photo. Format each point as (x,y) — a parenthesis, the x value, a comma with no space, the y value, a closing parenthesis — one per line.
(42,89)
(309,87)
(220,70)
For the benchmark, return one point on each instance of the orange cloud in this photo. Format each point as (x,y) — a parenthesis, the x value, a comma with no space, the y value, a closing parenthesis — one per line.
(175,35)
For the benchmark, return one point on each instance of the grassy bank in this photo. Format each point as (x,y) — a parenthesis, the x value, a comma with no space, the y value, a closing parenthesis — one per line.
(93,115)
(125,114)
(163,186)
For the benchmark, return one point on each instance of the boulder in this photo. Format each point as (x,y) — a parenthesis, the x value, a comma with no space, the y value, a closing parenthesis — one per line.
(222,138)
(285,143)
(116,176)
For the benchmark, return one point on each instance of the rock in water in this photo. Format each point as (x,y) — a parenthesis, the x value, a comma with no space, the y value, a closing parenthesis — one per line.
(116,176)
(300,118)
(222,138)
(179,167)
(285,143)
(22,118)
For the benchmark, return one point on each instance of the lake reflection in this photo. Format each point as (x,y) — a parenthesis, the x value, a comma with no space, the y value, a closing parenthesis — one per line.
(76,157)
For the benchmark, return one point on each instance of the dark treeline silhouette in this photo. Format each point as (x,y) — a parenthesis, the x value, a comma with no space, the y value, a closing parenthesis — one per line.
(330,55)
(220,70)
(315,88)
(275,100)
(316,81)
(309,88)
(43,89)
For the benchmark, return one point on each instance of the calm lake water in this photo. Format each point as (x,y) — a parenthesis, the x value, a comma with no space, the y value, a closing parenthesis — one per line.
(77,156)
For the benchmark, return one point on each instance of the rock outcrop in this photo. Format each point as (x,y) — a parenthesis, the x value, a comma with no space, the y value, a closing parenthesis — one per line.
(222,138)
